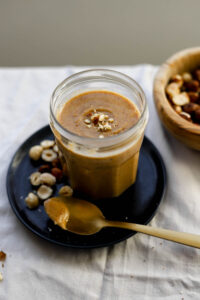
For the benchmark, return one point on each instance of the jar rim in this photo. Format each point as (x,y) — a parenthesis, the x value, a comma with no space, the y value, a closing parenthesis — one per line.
(109,140)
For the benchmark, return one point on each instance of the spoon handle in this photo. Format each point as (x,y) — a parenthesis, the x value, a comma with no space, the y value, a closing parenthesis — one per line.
(184,238)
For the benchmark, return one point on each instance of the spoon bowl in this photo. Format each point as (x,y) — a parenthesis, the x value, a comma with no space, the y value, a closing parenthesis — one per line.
(84,218)
(75,215)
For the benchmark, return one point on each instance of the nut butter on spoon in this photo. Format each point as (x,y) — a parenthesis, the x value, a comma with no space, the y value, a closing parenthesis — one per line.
(84,218)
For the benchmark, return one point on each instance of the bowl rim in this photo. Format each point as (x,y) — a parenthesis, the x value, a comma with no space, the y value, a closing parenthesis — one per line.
(160,95)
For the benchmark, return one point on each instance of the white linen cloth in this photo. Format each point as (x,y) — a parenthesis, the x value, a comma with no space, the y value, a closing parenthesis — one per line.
(141,267)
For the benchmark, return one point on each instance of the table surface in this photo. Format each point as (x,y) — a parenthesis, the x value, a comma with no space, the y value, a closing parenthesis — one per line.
(141,267)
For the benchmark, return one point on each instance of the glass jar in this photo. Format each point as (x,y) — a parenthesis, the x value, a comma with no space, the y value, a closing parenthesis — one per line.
(100,168)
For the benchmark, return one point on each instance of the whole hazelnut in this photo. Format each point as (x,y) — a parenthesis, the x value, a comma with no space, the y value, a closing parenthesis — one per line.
(186,77)
(172,89)
(178,108)
(48,155)
(194,96)
(181,99)
(48,179)
(44,192)
(44,169)
(32,200)
(178,79)
(35,178)
(35,152)
(197,74)
(46,144)
(56,163)
(66,190)
(58,173)
(190,107)
(192,86)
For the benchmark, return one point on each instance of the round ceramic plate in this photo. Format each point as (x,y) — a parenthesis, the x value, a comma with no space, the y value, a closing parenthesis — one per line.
(138,204)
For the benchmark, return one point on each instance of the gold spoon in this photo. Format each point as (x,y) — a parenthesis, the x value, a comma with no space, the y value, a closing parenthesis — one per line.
(82,217)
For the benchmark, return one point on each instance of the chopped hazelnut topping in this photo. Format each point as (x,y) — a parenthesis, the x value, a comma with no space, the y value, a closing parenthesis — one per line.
(101,117)
(87,121)
(100,121)
(95,118)
(107,127)
(100,127)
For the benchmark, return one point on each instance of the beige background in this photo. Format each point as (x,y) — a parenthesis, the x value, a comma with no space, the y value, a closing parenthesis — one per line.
(95,32)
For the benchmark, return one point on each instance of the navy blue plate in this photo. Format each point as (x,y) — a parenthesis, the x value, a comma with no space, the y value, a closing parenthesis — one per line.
(138,204)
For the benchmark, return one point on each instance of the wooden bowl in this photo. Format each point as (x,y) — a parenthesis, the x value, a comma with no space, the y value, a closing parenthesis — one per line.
(185,131)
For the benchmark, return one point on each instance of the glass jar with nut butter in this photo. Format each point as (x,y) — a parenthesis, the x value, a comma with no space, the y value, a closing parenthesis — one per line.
(98,118)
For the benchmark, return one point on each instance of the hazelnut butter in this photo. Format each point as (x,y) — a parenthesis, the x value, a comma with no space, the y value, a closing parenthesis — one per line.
(99,132)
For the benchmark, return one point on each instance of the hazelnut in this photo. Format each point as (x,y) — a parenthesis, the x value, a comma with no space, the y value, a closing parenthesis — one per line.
(47,178)
(190,107)
(107,127)
(35,152)
(197,74)
(87,121)
(48,155)
(194,96)
(178,108)
(32,201)
(181,99)
(100,127)
(172,89)
(44,192)
(44,169)
(192,85)
(58,173)
(56,163)
(66,190)
(95,118)
(110,120)
(101,118)
(35,178)
(55,148)
(178,79)
(186,77)
(185,115)
(46,144)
